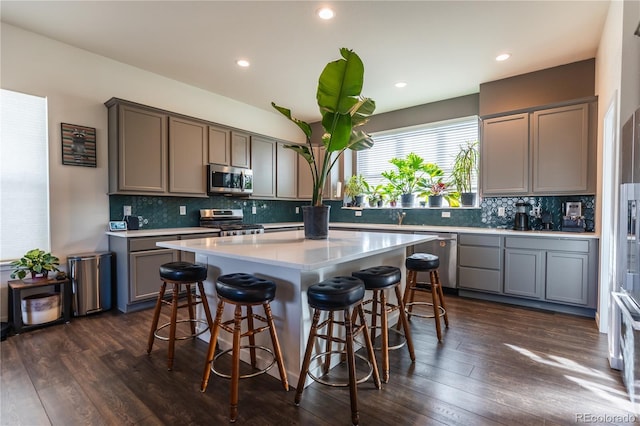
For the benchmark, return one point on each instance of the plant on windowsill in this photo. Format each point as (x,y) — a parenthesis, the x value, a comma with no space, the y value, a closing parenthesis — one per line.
(434,190)
(37,262)
(390,193)
(343,109)
(465,166)
(410,176)
(374,194)
(355,188)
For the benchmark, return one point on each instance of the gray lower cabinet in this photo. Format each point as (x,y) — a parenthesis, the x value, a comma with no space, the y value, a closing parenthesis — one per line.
(524,273)
(480,262)
(138,262)
(568,277)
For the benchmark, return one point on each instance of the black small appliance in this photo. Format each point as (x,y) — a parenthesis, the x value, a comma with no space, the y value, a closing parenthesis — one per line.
(132,223)
(521,222)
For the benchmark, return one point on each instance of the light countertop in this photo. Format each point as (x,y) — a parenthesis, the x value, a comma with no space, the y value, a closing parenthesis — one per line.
(161,232)
(291,250)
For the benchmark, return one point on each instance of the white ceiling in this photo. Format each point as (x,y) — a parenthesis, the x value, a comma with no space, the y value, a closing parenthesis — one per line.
(442,49)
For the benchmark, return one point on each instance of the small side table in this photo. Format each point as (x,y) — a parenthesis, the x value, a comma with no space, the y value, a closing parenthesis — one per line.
(15,301)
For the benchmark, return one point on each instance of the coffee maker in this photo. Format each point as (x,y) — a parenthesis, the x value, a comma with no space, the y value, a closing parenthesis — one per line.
(572,219)
(521,222)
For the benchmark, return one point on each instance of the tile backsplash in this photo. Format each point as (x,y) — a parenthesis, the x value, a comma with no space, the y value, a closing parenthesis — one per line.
(163,212)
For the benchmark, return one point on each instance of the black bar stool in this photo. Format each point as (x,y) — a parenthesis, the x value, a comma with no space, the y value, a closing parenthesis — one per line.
(338,294)
(179,274)
(425,262)
(380,279)
(243,290)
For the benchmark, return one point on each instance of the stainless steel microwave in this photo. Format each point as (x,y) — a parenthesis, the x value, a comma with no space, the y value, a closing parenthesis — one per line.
(229,180)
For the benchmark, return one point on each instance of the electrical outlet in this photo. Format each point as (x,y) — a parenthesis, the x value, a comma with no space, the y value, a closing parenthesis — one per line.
(358,213)
(254,210)
(446,214)
(501,211)
(183,210)
(127,210)
(297,210)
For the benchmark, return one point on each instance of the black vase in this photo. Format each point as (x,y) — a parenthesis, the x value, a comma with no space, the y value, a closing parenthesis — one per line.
(435,200)
(316,222)
(407,200)
(468,199)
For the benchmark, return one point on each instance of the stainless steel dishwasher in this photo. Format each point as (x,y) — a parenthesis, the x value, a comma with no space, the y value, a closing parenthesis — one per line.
(445,246)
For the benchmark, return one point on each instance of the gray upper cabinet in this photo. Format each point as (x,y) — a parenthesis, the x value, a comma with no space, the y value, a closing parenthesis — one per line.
(263,158)
(137,149)
(560,146)
(545,152)
(286,172)
(219,145)
(240,149)
(305,181)
(188,154)
(504,160)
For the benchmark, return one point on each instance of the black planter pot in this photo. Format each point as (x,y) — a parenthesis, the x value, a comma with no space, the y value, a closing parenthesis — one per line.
(359,200)
(435,200)
(316,222)
(468,199)
(407,200)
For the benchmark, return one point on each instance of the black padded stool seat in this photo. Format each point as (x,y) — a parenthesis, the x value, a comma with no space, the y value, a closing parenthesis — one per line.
(379,279)
(337,294)
(179,274)
(429,263)
(183,271)
(422,262)
(245,288)
(244,291)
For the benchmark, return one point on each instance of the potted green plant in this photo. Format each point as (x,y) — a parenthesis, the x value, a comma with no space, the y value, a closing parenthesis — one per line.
(374,194)
(343,109)
(434,189)
(410,175)
(390,193)
(355,188)
(465,166)
(37,262)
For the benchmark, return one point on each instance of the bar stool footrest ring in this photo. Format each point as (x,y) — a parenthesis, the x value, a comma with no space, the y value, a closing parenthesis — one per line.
(391,348)
(244,376)
(340,384)
(189,336)
(420,315)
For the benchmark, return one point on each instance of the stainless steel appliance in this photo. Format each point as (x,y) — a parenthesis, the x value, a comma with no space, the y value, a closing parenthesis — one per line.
(624,325)
(445,246)
(229,180)
(521,222)
(229,221)
(90,275)
(572,218)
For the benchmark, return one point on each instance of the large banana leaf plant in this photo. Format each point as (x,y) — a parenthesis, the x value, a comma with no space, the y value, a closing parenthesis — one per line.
(343,109)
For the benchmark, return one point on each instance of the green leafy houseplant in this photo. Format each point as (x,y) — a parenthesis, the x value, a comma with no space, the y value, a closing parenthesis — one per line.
(374,194)
(410,174)
(343,109)
(355,188)
(465,166)
(35,261)
(433,186)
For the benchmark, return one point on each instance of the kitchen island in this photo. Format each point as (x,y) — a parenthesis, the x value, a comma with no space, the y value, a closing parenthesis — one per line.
(294,263)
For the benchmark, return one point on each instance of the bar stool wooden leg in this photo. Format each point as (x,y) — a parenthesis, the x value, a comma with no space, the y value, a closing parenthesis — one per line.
(191,309)
(385,335)
(436,304)
(276,346)
(156,316)
(442,302)
(205,304)
(369,345)
(374,314)
(252,337)
(235,368)
(405,325)
(307,355)
(328,344)
(172,326)
(215,330)
(351,360)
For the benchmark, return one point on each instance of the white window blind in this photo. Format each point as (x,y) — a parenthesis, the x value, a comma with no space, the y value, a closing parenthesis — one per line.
(435,142)
(24,175)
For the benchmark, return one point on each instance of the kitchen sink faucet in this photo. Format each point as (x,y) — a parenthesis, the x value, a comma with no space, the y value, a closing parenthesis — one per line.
(401,216)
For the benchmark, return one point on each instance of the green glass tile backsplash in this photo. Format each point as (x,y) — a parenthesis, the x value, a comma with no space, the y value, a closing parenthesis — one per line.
(164,212)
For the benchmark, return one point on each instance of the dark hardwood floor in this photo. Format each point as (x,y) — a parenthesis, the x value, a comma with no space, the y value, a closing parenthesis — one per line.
(498,365)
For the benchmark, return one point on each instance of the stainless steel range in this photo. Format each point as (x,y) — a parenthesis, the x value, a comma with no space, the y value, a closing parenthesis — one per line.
(229,221)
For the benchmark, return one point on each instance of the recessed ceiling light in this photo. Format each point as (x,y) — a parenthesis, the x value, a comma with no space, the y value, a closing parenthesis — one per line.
(326,13)
(401,84)
(503,57)
(242,63)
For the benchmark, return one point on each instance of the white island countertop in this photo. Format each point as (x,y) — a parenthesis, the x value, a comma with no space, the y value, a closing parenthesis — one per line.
(291,250)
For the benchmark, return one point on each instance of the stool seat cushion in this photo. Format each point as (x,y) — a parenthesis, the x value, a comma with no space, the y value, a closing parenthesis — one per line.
(183,271)
(245,288)
(336,293)
(379,277)
(422,262)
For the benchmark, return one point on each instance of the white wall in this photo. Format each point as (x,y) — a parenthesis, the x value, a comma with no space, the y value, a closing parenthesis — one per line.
(77,83)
